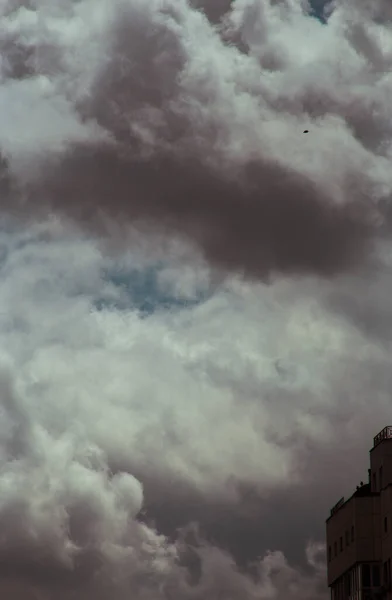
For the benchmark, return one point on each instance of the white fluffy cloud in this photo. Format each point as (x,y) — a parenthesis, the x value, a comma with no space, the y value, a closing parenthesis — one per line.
(241,392)
(90,398)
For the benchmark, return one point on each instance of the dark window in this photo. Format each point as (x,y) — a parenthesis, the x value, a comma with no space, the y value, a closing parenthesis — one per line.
(335,548)
(340,588)
(347,538)
(366,576)
(385,573)
(341,544)
(374,482)
(347,585)
(329,554)
(376,576)
(380,474)
(385,524)
(352,533)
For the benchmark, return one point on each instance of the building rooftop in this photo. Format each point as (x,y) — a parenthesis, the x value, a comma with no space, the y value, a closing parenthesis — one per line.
(362,491)
(385,434)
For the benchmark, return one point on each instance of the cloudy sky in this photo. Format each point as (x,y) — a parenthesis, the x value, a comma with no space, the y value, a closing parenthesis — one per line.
(195,316)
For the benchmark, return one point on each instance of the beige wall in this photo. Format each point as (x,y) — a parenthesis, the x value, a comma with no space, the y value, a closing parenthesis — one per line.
(337,525)
(386,512)
(364,514)
(381,456)
(367,519)
(367,513)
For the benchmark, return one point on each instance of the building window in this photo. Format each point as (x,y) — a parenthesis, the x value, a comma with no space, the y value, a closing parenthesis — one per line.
(347,585)
(335,592)
(374,482)
(366,576)
(352,533)
(385,524)
(380,478)
(376,576)
(347,538)
(385,574)
(341,544)
(329,554)
(335,548)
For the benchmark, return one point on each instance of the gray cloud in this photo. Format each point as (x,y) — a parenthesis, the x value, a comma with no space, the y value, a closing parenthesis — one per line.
(118,431)
(100,451)
(164,122)
(76,442)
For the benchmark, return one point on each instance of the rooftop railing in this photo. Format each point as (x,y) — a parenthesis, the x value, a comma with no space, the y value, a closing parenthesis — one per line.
(384,434)
(338,505)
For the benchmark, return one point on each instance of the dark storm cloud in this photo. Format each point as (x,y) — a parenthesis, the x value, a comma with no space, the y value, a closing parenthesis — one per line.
(213,10)
(187,120)
(266,219)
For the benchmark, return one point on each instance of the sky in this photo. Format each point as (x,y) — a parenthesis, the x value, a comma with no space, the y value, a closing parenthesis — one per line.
(195,325)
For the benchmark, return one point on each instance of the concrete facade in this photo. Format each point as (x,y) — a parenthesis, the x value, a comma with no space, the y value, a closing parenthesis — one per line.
(359,532)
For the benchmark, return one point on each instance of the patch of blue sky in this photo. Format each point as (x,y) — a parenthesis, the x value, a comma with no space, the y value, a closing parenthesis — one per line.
(319,10)
(139,289)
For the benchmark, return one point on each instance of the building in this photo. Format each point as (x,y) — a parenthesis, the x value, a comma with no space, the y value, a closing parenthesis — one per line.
(359,532)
